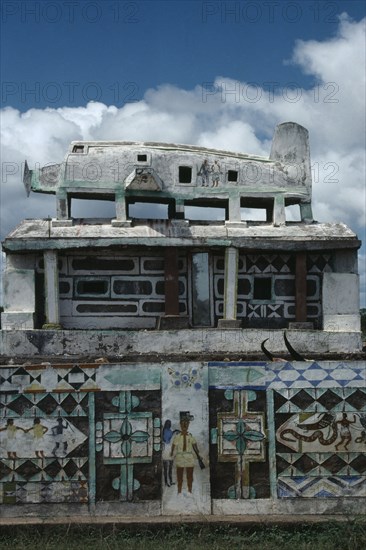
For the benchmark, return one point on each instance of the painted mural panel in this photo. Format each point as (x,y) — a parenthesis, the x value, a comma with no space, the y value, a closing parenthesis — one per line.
(238,451)
(186,482)
(320,442)
(181,438)
(44,448)
(128,461)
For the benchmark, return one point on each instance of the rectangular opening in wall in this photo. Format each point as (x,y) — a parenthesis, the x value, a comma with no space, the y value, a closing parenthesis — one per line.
(148,210)
(201,311)
(292,212)
(185,174)
(232,176)
(94,210)
(210,213)
(206,210)
(64,287)
(253,214)
(262,288)
(78,149)
(141,158)
(100,263)
(256,209)
(92,287)
(124,287)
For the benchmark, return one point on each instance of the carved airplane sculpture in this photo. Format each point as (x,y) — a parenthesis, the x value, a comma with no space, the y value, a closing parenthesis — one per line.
(179,175)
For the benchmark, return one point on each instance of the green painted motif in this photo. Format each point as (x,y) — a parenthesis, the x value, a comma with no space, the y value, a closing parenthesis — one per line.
(126,375)
(237,376)
(127,438)
(241,435)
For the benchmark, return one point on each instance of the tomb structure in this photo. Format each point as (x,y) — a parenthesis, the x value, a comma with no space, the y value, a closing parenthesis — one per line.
(133,373)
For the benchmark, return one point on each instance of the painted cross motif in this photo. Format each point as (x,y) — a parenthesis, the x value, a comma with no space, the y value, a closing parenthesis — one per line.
(127,438)
(241,440)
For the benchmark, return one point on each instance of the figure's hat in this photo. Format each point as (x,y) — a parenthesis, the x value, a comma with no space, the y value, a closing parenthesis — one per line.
(185,415)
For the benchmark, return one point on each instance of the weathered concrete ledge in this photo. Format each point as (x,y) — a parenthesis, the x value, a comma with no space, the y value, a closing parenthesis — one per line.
(38,235)
(127,343)
(250,511)
(253,519)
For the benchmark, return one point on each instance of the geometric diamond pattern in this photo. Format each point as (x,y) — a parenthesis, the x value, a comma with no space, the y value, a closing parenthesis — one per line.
(324,375)
(321,487)
(319,400)
(320,419)
(359,463)
(52,469)
(318,263)
(317,464)
(305,464)
(357,399)
(334,464)
(48,404)
(302,400)
(78,378)
(44,492)
(40,378)
(270,263)
(329,399)
(40,404)
(27,469)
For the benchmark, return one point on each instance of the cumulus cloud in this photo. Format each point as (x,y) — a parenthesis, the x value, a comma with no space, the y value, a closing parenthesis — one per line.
(226,114)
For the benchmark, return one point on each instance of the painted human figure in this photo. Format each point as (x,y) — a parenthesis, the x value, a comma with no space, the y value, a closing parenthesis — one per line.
(58,433)
(185,450)
(168,435)
(38,431)
(345,432)
(204,173)
(216,171)
(11,437)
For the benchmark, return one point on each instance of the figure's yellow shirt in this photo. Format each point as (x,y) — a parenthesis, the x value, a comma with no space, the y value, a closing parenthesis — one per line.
(184,458)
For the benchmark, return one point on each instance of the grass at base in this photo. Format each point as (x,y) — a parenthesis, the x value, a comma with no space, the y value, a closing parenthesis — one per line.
(327,536)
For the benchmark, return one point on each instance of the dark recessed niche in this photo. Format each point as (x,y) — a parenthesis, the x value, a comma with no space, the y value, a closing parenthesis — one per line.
(159,307)
(106,308)
(312,310)
(64,287)
(153,307)
(284,287)
(78,149)
(220,264)
(244,287)
(262,289)
(141,158)
(155,264)
(94,287)
(232,175)
(220,286)
(160,288)
(311,288)
(102,264)
(132,287)
(185,174)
